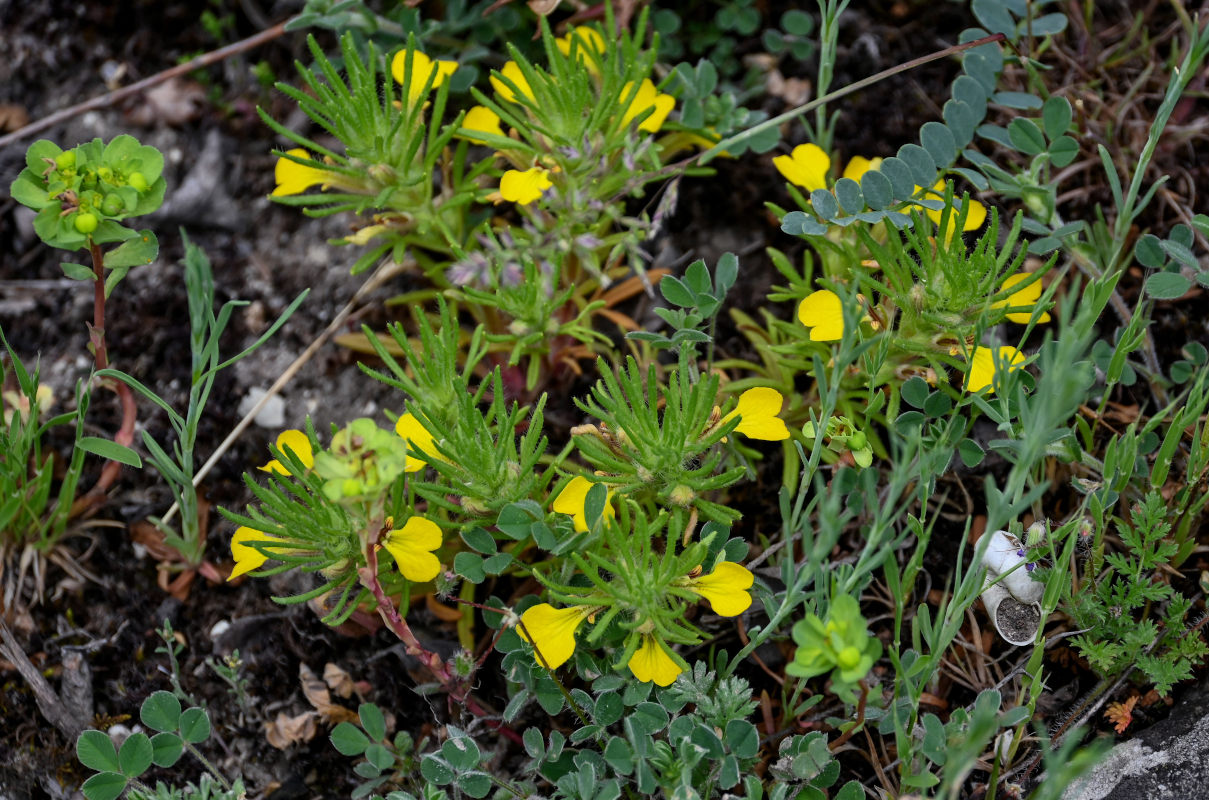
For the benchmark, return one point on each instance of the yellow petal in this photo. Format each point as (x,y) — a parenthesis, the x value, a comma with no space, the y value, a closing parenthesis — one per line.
(974,217)
(823,313)
(247,558)
(651,662)
(296,442)
(1028,296)
(726,588)
(806,166)
(524,187)
(858,165)
(983,373)
(412,547)
(647,97)
(589,46)
(418,438)
(572,498)
(758,409)
(512,72)
(482,120)
(551,631)
(422,68)
(295,178)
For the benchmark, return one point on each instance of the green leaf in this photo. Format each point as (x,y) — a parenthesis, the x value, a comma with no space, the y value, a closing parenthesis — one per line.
(95,750)
(137,251)
(796,22)
(436,770)
(136,755)
(161,711)
(38,151)
(479,539)
(110,450)
(104,786)
(798,223)
(348,739)
(461,752)
(30,190)
(676,293)
(1149,251)
(77,272)
(940,143)
(1180,253)
(373,721)
(649,718)
(1017,100)
(1026,136)
(1063,151)
(470,567)
(851,791)
(961,120)
(742,738)
(608,709)
(195,725)
(380,757)
(1167,285)
(970,452)
(1048,24)
(496,564)
(877,189)
(1056,116)
(899,173)
(824,204)
(916,391)
(921,164)
(475,784)
(848,192)
(619,755)
(166,749)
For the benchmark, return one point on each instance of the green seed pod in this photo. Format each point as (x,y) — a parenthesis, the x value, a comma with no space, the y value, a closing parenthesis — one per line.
(112,205)
(86,222)
(66,159)
(138,181)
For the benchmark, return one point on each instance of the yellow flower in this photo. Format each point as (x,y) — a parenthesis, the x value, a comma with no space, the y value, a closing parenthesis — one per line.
(524,187)
(648,97)
(1028,296)
(823,313)
(512,72)
(247,558)
(806,166)
(726,588)
(757,410)
(422,68)
(858,165)
(551,631)
(482,120)
(418,438)
(974,218)
(412,547)
(572,498)
(651,662)
(296,442)
(295,178)
(590,46)
(987,364)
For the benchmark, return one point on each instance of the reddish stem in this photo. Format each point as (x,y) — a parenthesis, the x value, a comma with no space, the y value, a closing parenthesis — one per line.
(454,686)
(96,336)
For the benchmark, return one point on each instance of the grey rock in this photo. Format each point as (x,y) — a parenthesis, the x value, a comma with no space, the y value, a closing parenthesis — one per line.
(1169,760)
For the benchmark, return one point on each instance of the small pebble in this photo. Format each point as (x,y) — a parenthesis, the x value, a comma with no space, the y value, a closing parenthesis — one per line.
(271,416)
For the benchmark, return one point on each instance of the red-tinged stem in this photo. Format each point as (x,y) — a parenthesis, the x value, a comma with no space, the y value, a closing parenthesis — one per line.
(96,335)
(455,687)
(860,718)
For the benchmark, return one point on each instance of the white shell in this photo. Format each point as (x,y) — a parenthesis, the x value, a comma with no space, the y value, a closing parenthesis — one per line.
(1008,581)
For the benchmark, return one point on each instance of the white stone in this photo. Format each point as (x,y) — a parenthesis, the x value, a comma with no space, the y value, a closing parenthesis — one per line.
(271,415)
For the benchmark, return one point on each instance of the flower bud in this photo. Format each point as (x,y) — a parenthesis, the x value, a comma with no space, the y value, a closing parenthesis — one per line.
(918,296)
(382,173)
(112,205)
(66,159)
(138,181)
(86,222)
(858,440)
(683,495)
(1035,534)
